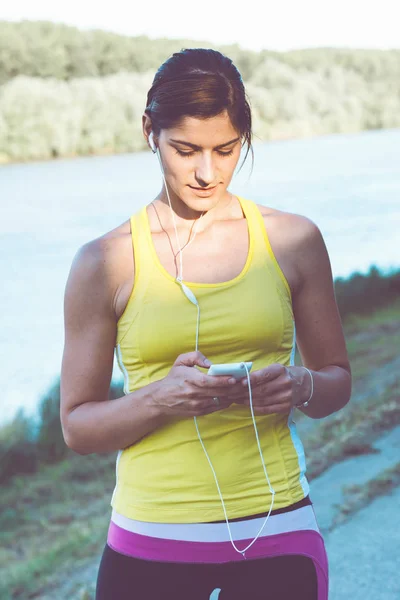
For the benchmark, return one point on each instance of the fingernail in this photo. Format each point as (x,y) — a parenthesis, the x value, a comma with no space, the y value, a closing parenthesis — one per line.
(207,362)
(232,380)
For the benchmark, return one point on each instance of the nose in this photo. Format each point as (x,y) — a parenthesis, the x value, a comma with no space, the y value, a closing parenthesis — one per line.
(205,171)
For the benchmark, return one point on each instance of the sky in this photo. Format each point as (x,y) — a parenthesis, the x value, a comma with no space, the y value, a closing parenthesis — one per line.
(279,25)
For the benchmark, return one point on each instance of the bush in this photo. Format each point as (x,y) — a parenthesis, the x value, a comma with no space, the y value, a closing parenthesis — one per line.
(363,294)
(50,442)
(18,451)
(66,92)
(26,443)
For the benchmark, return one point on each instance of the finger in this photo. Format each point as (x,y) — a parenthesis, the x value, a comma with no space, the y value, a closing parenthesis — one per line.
(219,381)
(279,395)
(207,405)
(278,389)
(222,394)
(265,375)
(190,359)
(237,392)
(214,407)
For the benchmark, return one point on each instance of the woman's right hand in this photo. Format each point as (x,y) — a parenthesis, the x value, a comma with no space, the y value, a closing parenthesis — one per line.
(187,392)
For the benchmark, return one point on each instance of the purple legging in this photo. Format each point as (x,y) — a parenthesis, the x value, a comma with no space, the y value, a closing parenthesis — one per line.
(283,577)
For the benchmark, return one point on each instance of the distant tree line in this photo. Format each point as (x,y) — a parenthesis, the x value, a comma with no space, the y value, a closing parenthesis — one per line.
(27,443)
(66,92)
(362,294)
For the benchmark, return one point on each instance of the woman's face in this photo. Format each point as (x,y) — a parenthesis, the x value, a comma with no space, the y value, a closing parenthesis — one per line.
(199,158)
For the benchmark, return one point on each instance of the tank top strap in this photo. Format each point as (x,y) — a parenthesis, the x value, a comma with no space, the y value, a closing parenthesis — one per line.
(138,241)
(255,224)
(144,273)
(263,253)
(142,247)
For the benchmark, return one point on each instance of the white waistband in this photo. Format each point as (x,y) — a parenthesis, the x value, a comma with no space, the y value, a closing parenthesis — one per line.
(295,520)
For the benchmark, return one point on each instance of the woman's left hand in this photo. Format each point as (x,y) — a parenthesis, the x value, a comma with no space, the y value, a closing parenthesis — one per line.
(275,389)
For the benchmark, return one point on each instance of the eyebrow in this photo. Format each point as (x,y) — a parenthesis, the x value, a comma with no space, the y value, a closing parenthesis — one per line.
(199,147)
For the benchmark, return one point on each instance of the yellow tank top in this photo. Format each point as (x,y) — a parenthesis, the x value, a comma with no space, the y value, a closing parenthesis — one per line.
(165,477)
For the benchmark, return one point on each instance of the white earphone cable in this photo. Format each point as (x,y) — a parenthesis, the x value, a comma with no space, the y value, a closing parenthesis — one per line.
(183,286)
(180,274)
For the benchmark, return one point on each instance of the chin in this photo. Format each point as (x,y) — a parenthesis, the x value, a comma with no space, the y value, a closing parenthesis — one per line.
(202,202)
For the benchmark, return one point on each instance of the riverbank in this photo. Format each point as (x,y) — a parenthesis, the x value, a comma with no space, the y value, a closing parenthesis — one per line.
(87,93)
(54,523)
(141,146)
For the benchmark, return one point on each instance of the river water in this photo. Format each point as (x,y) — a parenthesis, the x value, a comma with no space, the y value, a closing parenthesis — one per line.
(349,185)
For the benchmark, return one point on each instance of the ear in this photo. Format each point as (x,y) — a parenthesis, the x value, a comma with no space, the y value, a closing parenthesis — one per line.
(147,128)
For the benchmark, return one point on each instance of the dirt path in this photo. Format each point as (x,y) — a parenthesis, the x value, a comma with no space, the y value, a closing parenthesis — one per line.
(362,532)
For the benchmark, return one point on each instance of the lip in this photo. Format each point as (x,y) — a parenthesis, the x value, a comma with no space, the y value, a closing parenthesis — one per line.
(205,190)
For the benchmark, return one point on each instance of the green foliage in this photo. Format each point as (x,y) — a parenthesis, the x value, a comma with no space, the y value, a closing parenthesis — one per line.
(27,443)
(18,451)
(46,118)
(46,49)
(362,294)
(67,92)
(50,443)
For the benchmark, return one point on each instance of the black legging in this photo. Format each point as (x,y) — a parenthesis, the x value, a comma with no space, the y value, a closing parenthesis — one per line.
(122,577)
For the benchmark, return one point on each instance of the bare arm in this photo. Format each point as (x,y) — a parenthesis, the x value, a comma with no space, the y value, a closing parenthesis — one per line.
(91,422)
(301,250)
(319,331)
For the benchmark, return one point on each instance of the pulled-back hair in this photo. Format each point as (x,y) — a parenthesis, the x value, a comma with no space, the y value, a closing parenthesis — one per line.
(201,83)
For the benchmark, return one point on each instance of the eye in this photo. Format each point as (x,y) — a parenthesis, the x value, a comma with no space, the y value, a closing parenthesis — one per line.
(225,153)
(184,153)
(229,153)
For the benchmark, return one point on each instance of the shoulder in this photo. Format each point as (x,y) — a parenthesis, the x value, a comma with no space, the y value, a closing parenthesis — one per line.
(99,265)
(100,254)
(297,229)
(297,240)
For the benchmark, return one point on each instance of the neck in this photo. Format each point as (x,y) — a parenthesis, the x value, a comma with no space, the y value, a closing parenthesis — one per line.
(185,216)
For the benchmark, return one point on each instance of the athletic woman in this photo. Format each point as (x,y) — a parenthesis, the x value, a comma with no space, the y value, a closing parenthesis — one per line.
(211,497)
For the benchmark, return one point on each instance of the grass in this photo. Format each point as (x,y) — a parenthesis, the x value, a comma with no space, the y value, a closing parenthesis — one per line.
(359,496)
(373,344)
(57,514)
(352,431)
(386,316)
(79,542)
(373,341)
(54,523)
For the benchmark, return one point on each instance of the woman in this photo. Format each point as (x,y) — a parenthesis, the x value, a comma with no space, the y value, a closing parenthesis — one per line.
(211,499)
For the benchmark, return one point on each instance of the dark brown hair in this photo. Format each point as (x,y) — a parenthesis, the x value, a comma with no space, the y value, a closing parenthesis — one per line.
(201,83)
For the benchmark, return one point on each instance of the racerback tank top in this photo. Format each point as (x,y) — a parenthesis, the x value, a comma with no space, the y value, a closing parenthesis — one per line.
(165,477)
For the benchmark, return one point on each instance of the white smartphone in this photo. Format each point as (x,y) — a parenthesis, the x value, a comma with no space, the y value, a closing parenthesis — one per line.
(236,370)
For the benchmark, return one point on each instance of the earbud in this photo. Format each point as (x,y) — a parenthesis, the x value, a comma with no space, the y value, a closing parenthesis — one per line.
(152,143)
